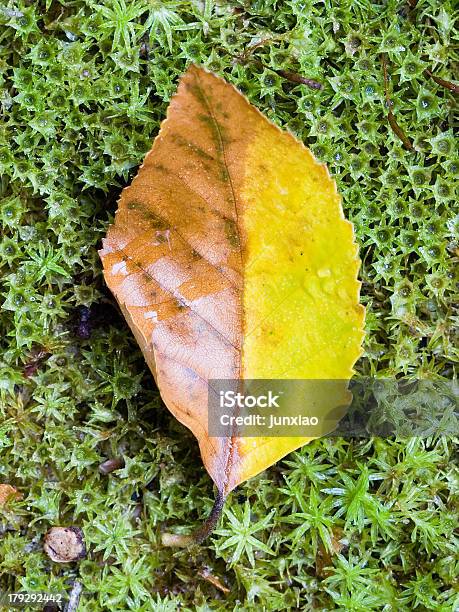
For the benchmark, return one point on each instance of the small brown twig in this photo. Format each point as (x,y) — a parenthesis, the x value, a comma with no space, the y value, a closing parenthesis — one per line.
(294,77)
(390,115)
(285,74)
(298,78)
(446,84)
(109,466)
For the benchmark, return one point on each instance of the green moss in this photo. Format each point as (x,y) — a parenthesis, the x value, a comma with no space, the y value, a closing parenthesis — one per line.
(340,524)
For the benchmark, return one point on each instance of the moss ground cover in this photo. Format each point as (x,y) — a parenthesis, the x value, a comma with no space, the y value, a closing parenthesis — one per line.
(342,524)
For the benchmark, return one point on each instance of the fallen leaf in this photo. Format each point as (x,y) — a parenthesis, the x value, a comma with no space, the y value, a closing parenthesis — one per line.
(214,580)
(231,259)
(8,493)
(324,557)
(64,544)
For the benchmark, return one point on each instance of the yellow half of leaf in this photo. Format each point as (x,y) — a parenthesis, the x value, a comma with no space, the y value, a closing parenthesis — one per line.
(231,259)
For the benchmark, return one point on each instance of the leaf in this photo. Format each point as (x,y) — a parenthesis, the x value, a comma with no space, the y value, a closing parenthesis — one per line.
(64,544)
(231,259)
(8,493)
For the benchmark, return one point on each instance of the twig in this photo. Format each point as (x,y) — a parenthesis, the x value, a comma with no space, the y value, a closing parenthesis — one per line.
(447,84)
(294,77)
(298,78)
(74,598)
(290,76)
(390,115)
(111,465)
(398,131)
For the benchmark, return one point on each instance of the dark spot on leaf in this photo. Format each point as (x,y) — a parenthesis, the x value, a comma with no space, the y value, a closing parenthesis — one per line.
(134,205)
(177,138)
(161,237)
(156,221)
(232,232)
(197,92)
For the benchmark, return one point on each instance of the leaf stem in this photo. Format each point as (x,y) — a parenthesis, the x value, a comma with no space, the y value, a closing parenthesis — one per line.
(183,541)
